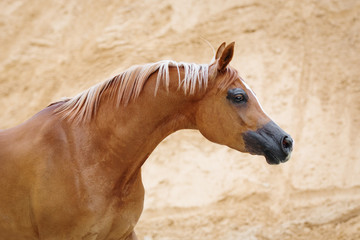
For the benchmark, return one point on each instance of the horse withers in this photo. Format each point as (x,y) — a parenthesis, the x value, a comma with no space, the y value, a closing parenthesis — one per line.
(73,171)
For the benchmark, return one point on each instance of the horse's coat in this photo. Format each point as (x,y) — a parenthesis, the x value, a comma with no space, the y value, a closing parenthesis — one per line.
(73,171)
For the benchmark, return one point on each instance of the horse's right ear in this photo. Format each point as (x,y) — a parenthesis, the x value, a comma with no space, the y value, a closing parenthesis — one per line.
(225,56)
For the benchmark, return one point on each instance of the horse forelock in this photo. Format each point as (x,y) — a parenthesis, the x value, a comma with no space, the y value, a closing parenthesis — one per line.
(230,76)
(128,85)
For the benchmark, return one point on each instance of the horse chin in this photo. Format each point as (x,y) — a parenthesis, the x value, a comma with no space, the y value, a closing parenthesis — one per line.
(273,160)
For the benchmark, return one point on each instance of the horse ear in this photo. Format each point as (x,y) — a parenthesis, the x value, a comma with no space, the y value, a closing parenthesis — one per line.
(225,57)
(220,51)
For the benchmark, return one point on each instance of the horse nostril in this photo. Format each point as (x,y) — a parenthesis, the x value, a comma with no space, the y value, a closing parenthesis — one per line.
(287,144)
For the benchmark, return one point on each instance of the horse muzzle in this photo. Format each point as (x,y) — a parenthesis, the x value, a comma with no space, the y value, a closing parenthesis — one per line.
(270,141)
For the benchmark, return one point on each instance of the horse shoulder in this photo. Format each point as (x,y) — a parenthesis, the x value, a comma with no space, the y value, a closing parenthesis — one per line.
(22,157)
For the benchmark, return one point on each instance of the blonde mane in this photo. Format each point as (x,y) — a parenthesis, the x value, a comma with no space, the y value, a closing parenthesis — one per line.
(127,86)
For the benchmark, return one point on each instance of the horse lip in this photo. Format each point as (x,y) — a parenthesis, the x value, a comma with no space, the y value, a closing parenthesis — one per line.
(286,159)
(272,161)
(271,158)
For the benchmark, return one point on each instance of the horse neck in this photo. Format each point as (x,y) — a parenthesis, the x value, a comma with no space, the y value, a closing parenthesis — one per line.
(130,133)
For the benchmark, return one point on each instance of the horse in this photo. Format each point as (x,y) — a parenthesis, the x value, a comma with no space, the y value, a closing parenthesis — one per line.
(73,170)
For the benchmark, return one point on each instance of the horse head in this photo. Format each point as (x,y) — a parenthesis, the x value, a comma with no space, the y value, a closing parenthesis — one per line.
(230,114)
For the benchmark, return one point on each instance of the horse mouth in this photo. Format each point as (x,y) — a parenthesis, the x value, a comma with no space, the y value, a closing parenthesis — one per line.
(271,142)
(272,159)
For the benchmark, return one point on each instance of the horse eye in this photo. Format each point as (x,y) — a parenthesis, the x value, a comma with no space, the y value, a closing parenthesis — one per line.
(239,98)
(237,95)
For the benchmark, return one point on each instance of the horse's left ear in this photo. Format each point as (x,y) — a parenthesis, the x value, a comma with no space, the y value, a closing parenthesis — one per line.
(220,51)
(225,57)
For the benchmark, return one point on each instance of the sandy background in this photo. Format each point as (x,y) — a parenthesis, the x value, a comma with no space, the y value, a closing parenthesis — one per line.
(302,58)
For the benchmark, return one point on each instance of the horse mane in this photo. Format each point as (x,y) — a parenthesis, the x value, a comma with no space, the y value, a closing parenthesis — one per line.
(127,86)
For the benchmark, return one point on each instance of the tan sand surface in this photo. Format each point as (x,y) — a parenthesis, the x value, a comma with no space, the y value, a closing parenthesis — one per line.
(302,58)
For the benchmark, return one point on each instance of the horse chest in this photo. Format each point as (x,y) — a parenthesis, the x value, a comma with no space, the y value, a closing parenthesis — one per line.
(94,216)
(115,225)
(119,218)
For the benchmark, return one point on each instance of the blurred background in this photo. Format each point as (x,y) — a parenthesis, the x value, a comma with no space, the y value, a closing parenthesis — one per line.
(302,58)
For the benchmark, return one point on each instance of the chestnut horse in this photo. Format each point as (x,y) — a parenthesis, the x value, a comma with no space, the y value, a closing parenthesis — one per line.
(73,171)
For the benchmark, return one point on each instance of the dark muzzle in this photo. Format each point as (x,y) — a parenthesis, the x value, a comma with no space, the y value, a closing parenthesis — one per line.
(270,141)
